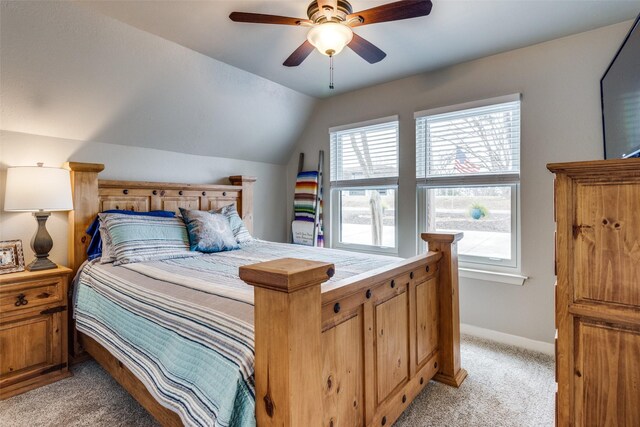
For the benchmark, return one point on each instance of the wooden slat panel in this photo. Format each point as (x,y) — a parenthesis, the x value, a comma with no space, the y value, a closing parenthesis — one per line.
(391,345)
(426,319)
(213,203)
(607,243)
(607,377)
(127,203)
(343,374)
(175,203)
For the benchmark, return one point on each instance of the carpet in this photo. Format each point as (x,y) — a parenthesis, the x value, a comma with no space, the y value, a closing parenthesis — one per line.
(507,386)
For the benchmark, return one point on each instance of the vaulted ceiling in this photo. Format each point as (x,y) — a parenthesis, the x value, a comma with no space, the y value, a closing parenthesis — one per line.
(180,76)
(454,32)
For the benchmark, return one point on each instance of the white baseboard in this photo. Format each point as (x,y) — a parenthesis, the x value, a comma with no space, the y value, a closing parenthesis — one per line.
(501,337)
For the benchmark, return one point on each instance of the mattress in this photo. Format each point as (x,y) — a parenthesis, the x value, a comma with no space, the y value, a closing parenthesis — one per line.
(184,326)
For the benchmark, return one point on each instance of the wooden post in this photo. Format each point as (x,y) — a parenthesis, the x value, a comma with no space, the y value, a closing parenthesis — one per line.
(288,328)
(84,188)
(449,315)
(246,208)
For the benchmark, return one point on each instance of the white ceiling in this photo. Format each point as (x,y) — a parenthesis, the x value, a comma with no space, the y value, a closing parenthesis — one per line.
(454,32)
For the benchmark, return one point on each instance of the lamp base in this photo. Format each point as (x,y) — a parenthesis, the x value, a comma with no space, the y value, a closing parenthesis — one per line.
(41,244)
(41,264)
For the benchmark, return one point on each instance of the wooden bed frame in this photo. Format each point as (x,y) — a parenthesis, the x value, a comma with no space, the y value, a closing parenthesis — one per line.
(355,353)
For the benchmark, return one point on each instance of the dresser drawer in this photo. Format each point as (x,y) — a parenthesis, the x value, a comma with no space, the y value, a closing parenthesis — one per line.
(31,294)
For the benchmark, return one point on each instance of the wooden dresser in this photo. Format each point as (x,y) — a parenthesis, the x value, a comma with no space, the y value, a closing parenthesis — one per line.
(33,329)
(597,213)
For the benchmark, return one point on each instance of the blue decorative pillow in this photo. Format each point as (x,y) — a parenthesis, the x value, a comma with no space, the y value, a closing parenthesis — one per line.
(145,238)
(94,250)
(237,226)
(208,231)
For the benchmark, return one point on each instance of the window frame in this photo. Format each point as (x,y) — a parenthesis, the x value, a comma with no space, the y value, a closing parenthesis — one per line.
(472,261)
(336,221)
(363,184)
(511,179)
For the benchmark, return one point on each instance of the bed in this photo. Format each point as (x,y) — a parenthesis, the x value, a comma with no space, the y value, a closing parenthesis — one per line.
(314,336)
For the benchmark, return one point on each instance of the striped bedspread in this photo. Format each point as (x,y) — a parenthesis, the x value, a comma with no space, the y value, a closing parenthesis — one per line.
(184,326)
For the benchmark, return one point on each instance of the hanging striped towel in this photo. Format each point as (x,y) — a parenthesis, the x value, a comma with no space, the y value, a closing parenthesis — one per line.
(305,198)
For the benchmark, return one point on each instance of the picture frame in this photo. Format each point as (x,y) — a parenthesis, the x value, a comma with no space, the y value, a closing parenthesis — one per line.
(11,256)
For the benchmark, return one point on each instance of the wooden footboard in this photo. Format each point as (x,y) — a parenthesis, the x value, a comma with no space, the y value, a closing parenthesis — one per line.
(354,353)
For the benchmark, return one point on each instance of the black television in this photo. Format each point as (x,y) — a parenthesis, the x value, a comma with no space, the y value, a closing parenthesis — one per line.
(620,97)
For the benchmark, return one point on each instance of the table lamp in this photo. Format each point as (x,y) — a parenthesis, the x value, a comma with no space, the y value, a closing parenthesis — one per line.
(39,190)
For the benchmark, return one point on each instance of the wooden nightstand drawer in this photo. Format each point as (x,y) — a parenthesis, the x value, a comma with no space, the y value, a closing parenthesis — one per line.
(33,329)
(31,294)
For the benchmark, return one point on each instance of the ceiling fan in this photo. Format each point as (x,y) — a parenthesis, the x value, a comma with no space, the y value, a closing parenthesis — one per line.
(330,23)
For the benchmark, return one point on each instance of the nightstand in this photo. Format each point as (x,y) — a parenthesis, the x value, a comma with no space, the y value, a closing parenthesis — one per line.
(33,329)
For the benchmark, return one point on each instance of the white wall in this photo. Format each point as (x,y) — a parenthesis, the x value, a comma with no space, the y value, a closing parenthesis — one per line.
(559,82)
(134,163)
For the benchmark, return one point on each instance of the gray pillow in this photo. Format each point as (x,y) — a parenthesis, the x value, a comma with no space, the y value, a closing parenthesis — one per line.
(239,230)
(208,231)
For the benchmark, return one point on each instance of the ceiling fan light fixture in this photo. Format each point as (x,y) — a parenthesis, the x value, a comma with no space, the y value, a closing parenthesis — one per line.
(330,37)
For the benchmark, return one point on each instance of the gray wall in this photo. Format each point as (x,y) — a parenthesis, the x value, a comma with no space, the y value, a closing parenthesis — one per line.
(559,82)
(70,72)
(77,85)
(134,163)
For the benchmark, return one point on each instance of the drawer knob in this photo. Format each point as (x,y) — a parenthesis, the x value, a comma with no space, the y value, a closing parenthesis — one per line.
(21,300)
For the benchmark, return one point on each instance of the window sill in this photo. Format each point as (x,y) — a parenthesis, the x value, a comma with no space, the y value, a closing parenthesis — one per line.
(373,250)
(492,276)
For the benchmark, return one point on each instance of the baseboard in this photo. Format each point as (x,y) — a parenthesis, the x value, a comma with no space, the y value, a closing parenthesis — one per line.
(501,337)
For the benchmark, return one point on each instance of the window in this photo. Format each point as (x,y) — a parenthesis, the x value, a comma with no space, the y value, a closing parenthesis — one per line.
(468,173)
(364,182)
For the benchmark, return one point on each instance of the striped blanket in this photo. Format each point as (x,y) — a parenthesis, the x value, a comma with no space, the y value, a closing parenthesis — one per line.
(306,195)
(184,326)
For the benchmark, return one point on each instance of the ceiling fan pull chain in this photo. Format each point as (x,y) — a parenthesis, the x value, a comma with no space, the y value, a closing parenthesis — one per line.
(331,72)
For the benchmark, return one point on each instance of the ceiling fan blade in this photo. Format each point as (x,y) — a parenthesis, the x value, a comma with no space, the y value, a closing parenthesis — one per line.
(259,18)
(367,50)
(391,12)
(299,55)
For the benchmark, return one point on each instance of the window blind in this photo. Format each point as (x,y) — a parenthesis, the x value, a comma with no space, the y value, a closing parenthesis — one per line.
(367,153)
(471,143)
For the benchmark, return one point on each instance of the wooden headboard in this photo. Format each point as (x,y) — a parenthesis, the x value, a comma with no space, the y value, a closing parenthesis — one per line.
(91,195)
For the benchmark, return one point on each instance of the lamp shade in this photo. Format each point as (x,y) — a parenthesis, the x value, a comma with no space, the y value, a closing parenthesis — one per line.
(37,188)
(330,38)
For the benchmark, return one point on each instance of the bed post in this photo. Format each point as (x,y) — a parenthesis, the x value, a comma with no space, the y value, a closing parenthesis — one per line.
(84,188)
(288,328)
(246,210)
(449,307)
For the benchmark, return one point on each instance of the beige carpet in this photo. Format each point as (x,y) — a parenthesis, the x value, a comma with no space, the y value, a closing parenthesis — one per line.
(506,386)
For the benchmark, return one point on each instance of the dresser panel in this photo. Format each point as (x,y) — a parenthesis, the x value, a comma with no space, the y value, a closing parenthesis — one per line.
(607,377)
(607,242)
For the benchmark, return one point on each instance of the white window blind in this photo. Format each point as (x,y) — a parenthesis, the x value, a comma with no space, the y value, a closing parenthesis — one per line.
(365,154)
(479,144)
